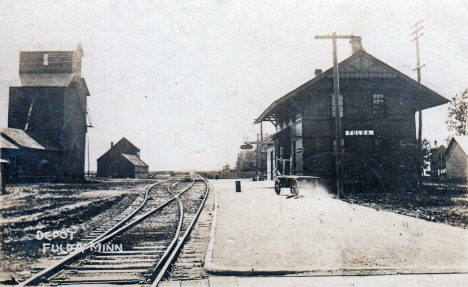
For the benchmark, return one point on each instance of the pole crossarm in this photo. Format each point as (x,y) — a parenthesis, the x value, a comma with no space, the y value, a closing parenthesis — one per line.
(415,25)
(419,67)
(417,37)
(417,30)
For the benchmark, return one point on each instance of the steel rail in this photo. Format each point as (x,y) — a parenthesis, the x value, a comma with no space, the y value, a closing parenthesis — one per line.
(161,273)
(151,212)
(179,228)
(123,226)
(130,216)
(78,253)
(146,215)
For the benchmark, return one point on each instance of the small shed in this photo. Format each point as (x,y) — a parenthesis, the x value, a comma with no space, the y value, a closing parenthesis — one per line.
(122,160)
(457,158)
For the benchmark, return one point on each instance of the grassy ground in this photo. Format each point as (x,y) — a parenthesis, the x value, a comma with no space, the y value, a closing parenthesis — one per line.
(79,207)
(440,202)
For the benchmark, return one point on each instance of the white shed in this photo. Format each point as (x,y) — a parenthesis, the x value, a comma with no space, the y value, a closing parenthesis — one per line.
(457,158)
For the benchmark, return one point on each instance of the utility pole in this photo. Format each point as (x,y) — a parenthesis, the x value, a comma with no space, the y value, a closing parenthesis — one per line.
(336,93)
(418,68)
(258,146)
(2,178)
(261,150)
(88,160)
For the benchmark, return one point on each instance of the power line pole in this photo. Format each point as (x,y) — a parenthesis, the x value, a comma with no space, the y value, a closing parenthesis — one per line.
(418,68)
(2,178)
(258,146)
(88,160)
(336,93)
(261,150)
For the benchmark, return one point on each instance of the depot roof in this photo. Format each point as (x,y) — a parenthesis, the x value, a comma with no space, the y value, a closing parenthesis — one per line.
(364,65)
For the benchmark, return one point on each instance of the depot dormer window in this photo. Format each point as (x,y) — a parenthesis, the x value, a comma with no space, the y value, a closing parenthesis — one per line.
(46,59)
(379,109)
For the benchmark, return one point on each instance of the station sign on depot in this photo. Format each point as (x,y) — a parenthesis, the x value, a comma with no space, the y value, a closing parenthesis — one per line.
(360,133)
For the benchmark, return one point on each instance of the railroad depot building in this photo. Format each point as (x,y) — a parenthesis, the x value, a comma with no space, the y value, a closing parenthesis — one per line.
(378,126)
(47,116)
(122,160)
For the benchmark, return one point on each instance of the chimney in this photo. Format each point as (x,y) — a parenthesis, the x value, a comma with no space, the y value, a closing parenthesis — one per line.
(318,72)
(356,44)
(112,144)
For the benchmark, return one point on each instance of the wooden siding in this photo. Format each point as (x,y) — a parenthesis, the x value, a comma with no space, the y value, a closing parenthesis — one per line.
(457,163)
(387,153)
(114,164)
(141,172)
(46,112)
(74,132)
(57,62)
(55,117)
(53,111)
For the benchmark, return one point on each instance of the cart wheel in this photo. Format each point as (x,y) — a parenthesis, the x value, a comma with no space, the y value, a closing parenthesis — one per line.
(294,187)
(277,187)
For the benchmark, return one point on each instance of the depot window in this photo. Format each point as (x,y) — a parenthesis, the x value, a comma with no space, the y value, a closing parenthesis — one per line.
(378,105)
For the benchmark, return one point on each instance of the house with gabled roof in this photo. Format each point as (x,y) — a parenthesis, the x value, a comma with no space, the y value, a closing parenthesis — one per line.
(457,158)
(377,107)
(438,162)
(122,160)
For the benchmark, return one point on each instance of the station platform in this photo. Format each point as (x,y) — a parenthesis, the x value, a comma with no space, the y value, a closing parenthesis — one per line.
(259,233)
(453,280)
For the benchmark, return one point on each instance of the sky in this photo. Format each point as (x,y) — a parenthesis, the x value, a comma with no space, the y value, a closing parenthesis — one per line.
(184,80)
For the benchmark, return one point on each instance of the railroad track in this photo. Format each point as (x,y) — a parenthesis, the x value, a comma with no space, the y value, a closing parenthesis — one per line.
(139,248)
